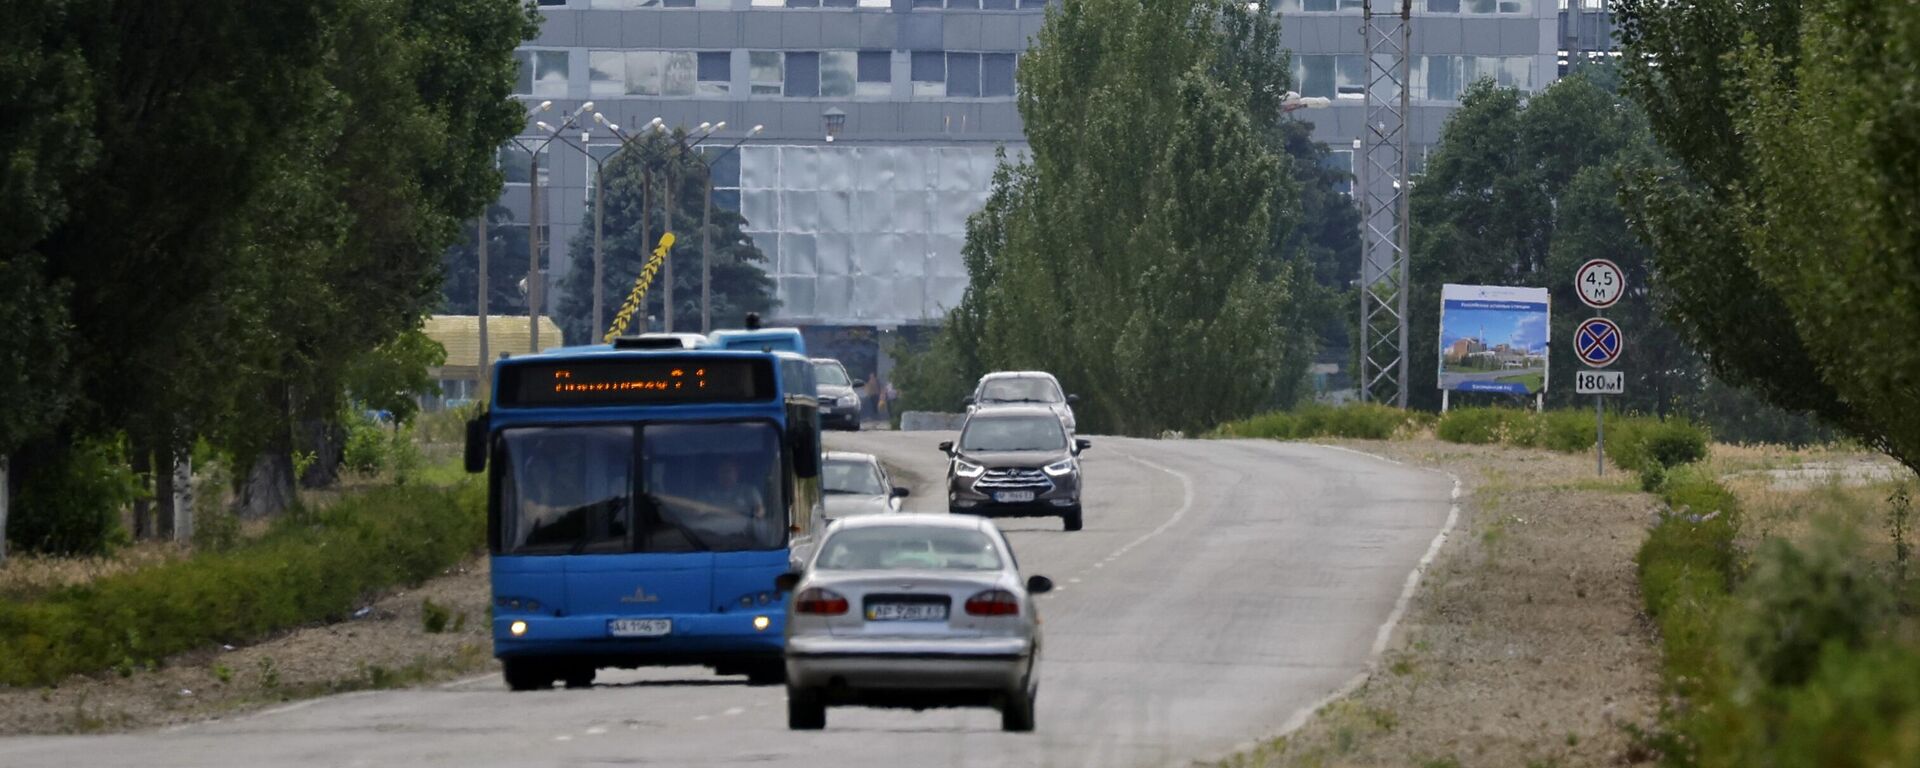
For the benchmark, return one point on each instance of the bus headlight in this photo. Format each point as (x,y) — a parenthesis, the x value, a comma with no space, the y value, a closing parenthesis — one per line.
(761,623)
(518,628)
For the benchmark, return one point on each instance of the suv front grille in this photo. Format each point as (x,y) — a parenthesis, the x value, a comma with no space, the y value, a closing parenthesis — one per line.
(1014,479)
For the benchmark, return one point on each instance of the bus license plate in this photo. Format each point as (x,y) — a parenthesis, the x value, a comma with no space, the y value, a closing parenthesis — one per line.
(906,612)
(1007,497)
(639,627)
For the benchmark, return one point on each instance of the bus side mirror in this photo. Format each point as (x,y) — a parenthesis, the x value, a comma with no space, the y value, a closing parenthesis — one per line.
(786,582)
(477,444)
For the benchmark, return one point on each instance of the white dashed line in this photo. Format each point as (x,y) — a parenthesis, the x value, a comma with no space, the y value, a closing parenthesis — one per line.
(734,711)
(597,730)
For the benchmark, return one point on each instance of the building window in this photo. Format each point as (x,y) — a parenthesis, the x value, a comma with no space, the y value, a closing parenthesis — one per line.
(766,72)
(838,3)
(929,3)
(516,162)
(802,74)
(971,5)
(963,74)
(1330,76)
(876,74)
(838,71)
(998,5)
(715,73)
(803,3)
(929,73)
(1445,78)
(541,73)
(996,74)
(1024,4)
(769,3)
(606,73)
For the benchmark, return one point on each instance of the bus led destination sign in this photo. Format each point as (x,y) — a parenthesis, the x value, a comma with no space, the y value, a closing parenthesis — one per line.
(618,381)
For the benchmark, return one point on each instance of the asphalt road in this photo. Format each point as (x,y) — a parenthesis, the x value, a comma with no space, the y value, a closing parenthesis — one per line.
(1219,589)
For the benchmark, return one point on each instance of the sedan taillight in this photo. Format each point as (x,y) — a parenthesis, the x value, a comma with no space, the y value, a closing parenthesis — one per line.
(821,602)
(993,602)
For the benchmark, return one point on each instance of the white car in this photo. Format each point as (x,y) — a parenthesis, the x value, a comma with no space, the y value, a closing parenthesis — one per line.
(856,484)
(1024,388)
(915,611)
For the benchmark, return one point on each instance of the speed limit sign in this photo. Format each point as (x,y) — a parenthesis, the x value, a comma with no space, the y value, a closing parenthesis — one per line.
(1600,283)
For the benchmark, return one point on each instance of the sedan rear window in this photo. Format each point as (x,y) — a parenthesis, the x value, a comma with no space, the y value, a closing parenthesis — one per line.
(1019,390)
(902,547)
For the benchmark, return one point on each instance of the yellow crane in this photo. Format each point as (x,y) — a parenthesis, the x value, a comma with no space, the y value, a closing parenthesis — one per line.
(638,296)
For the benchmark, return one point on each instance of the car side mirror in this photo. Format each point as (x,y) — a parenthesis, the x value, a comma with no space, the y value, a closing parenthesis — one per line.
(787,581)
(1081,444)
(858,383)
(1073,399)
(1039,585)
(901,493)
(477,444)
(946,447)
(967,401)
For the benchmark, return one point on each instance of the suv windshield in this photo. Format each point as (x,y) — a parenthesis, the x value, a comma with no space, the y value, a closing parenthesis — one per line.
(902,547)
(709,487)
(831,375)
(851,476)
(1025,389)
(1024,433)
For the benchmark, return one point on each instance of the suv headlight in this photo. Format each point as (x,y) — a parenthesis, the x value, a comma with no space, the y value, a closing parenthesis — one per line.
(1059,468)
(965,468)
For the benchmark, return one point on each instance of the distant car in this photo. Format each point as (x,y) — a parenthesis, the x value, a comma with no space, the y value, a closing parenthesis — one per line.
(839,398)
(1024,388)
(759,340)
(1015,461)
(913,611)
(855,484)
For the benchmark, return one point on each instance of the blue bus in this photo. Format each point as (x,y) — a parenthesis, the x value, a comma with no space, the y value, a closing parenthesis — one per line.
(760,340)
(641,500)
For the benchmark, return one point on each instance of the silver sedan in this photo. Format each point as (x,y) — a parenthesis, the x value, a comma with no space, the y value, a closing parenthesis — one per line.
(915,611)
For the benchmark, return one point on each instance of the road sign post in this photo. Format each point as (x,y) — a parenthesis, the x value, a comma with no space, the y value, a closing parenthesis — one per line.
(1598,343)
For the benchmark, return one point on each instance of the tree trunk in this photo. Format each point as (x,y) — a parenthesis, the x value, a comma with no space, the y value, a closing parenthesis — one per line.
(268,489)
(328,442)
(163,495)
(143,503)
(183,498)
(6,495)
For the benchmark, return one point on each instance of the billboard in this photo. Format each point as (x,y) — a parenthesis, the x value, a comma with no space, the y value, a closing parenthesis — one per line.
(1493,339)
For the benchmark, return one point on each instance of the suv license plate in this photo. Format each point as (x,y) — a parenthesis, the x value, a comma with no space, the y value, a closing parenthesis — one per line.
(639,627)
(906,612)
(1006,497)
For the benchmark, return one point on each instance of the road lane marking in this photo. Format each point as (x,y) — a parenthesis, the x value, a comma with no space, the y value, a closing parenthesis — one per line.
(1186,503)
(1385,633)
(731,711)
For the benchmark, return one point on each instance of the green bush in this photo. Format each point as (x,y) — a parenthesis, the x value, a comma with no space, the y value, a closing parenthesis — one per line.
(312,566)
(1359,421)
(1636,443)
(368,443)
(1479,426)
(1568,431)
(434,617)
(72,507)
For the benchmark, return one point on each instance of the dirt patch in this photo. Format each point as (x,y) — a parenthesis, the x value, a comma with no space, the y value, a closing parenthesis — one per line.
(1525,645)
(386,645)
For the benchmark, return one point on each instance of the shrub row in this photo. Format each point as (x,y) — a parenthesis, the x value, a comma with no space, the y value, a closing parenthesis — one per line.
(313,566)
(1792,660)
(1634,443)
(1361,421)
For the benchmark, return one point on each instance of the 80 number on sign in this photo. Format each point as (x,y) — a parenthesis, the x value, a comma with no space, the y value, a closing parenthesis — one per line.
(1599,382)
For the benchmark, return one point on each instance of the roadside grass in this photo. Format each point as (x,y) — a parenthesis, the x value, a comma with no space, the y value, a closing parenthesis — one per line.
(1360,421)
(313,565)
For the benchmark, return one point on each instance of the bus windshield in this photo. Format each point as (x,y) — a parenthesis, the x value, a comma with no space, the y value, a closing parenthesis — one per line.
(709,487)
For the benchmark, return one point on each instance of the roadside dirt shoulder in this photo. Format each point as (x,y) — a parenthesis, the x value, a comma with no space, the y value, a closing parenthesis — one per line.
(386,645)
(1525,645)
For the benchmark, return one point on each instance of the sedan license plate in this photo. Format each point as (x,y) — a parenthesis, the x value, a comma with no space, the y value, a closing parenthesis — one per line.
(1008,497)
(906,612)
(639,627)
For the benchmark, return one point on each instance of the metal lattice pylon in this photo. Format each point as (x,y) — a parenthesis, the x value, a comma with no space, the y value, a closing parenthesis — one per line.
(1381,186)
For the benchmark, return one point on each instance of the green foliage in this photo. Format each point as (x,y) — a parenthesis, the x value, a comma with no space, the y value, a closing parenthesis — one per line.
(1140,251)
(1636,444)
(1362,421)
(434,617)
(1478,426)
(740,282)
(1798,601)
(392,376)
(72,506)
(313,566)
(1788,241)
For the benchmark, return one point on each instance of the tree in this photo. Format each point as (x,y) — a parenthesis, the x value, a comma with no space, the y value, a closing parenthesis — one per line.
(740,282)
(1136,253)
(1788,234)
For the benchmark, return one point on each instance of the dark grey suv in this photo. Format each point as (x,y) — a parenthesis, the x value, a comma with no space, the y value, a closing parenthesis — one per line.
(1015,461)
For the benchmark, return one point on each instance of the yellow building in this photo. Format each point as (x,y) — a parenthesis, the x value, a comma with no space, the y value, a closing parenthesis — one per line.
(459,377)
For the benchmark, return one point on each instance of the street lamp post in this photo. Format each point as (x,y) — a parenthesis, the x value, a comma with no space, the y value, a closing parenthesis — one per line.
(599,219)
(535,294)
(706,221)
(673,178)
